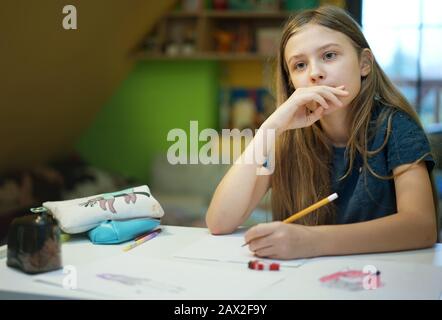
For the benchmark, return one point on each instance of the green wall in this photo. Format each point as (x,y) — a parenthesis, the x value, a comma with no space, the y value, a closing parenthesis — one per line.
(156,97)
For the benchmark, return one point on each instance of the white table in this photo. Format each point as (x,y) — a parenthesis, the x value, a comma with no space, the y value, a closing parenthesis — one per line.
(15,284)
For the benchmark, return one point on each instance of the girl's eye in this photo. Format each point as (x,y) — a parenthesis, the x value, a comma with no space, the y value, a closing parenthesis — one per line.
(299,66)
(329,55)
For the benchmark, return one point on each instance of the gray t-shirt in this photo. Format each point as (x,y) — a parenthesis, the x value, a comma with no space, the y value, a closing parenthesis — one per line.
(362,196)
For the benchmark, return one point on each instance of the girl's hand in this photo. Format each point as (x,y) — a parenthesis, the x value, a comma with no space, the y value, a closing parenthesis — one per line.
(305,106)
(278,240)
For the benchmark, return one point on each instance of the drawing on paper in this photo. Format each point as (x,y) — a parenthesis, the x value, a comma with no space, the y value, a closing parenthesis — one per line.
(141,284)
(353,280)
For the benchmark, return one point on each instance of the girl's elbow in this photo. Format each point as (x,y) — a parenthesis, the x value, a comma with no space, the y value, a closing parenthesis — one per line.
(216,225)
(212,225)
(432,238)
(218,229)
(429,233)
(428,242)
(423,230)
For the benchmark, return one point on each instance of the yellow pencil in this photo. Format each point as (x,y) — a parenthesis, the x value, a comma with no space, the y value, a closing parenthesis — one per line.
(306,211)
(313,207)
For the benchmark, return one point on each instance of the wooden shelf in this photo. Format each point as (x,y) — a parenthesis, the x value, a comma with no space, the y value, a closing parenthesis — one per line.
(237,14)
(208,31)
(206,56)
(183,14)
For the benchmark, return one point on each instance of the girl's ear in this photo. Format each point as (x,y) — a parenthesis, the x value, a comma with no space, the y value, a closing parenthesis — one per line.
(366,62)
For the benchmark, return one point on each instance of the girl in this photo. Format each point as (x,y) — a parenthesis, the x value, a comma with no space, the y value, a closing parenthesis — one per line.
(341,126)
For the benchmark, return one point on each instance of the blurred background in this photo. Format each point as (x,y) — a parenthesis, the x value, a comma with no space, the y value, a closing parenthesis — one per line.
(87,110)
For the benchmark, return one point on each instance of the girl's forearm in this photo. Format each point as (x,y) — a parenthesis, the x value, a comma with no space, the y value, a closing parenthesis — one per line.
(230,202)
(400,231)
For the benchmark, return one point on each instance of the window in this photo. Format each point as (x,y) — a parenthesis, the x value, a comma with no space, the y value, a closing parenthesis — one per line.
(406,39)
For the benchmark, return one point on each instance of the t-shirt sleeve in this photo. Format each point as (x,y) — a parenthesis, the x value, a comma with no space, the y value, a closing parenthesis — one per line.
(407,143)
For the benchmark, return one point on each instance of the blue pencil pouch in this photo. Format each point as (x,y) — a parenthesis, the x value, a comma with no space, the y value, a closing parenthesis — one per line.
(117,231)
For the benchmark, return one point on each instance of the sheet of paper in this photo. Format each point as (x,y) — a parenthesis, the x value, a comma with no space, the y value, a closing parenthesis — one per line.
(398,280)
(226,248)
(132,276)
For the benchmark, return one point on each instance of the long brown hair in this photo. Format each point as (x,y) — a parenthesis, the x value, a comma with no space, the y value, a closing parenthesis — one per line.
(303,156)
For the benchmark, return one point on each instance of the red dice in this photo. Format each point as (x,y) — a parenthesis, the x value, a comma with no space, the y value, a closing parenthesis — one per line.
(261,265)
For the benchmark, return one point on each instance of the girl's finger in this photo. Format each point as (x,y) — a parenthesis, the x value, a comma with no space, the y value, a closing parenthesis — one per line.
(332,98)
(265,252)
(312,106)
(259,243)
(257,231)
(338,91)
(319,99)
(315,116)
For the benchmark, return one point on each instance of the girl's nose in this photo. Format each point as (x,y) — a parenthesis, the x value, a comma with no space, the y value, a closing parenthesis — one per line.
(316,75)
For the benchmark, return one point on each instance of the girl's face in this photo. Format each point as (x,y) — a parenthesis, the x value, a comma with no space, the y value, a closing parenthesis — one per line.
(317,55)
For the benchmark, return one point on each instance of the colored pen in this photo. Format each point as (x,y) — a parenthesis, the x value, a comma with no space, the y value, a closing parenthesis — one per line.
(308,210)
(142,240)
(145,234)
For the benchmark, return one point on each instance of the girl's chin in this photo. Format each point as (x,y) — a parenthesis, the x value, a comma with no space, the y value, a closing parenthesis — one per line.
(335,110)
